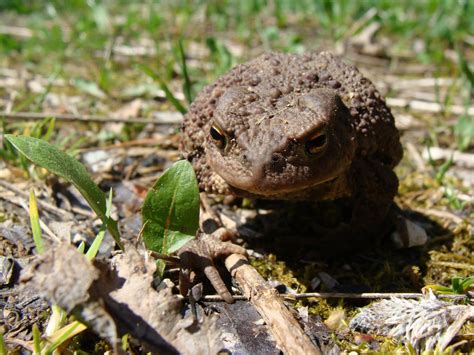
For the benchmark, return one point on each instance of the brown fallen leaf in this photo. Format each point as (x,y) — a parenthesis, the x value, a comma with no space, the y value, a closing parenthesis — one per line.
(117,297)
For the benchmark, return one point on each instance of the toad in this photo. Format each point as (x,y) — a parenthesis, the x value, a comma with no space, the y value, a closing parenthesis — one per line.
(296,127)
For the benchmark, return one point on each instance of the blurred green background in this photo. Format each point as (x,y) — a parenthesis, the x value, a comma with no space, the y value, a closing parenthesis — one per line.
(104,51)
(78,31)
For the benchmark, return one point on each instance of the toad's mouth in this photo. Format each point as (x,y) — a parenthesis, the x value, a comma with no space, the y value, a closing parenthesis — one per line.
(250,187)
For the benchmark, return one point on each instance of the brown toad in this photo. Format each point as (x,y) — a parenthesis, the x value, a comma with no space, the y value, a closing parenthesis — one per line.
(296,127)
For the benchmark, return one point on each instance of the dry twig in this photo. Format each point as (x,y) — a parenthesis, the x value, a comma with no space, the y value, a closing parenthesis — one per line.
(161,118)
(289,336)
(426,106)
(328,295)
(44,205)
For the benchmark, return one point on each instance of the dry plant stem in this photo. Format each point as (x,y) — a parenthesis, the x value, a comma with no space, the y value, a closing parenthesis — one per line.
(426,106)
(134,143)
(454,265)
(44,205)
(368,295)
(22,32)
(326,295)
(455,327)
(289,336)
(165,118)
(415,156)
(459,158)
(440,214)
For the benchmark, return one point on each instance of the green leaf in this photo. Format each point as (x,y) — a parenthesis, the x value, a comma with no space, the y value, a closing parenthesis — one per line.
(171,209)
(65,166)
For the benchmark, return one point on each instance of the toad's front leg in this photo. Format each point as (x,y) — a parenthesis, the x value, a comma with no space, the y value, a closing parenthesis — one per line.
(200,254)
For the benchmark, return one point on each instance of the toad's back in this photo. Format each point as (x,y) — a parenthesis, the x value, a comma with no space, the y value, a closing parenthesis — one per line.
(291,127)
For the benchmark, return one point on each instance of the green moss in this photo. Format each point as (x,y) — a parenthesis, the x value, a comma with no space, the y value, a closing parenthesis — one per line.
(272,269)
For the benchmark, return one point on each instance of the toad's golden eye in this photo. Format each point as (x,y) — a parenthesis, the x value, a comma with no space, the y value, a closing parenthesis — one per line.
(218,136)
(316,144)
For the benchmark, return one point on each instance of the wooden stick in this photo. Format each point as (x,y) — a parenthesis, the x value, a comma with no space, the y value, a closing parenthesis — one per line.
(162,118)
(289,336)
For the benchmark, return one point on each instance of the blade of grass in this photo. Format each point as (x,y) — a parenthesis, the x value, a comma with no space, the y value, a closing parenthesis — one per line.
(439,288)
(35,225)
(3,347)
(81,247)
(169,95)
(56,321)
(40,100)
(466,70)
(443,169)
(50,130)
(461,284)
(94,248)
(63,334)
(187,85)
(36,340)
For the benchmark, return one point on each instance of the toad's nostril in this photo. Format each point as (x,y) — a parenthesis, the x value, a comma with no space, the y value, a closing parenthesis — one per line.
(277,163)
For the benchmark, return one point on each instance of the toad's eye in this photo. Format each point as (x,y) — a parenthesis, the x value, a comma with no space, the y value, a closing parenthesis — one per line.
(218,136)
(316,144)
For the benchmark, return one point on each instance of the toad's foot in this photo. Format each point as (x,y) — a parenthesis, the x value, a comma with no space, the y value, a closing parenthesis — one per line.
(199,254)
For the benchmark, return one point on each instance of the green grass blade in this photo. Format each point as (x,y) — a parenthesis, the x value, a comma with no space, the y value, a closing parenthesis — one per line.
(35,224)
(65,166)
(169,95)
(171,209)
(94,248)
(3,347)
(466,69)
(64,334)
(81,247)
(187,86)
(36,340)
(443,169)
(56,321)
(466,282)
(464,131)
(50,130)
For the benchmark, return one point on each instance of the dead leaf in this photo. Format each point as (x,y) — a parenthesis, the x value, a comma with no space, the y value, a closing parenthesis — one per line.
(117,297)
